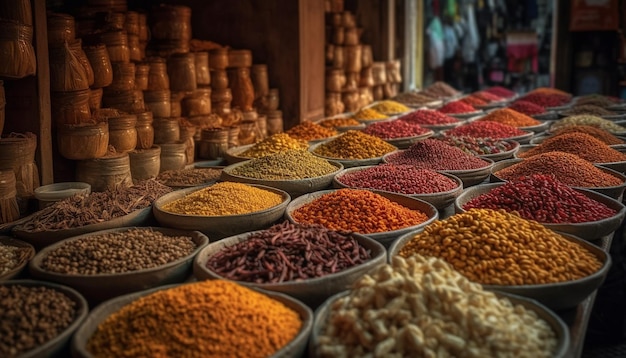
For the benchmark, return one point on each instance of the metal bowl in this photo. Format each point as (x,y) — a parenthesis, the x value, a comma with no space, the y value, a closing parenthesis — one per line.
(555,322)
(405,142)
(312,291)
(546,116)
(591,230)
(466,115)
(614,192)
(387,237)
(560,295)
(29,252)
(537,128)
(218,227)
(496,157)
(101,287)
(348,163)
(57,346)
(295,348)
(439,200)
(295,187)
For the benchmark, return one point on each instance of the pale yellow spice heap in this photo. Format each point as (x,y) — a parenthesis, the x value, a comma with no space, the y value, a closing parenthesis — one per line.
(224,198)
(274,144)
(366,114)
(390,107)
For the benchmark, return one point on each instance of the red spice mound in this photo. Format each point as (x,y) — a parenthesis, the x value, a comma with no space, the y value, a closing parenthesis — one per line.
(528,108)
(487,96)
(457,107)
(547,100)
(484,129)
(395,129)
(580,144)
(550,90)
(404,179)
(500,91)
(436,155)
(473,100)
(359,211)
(428,117)
(568,168)
(542,198)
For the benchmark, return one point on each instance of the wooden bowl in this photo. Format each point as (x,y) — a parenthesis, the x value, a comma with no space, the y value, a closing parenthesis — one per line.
(27,252)
(556,296)
(312,291)
(101,287)
(591,230)
(218,227)
(294,187)
(387,237)
(295,348)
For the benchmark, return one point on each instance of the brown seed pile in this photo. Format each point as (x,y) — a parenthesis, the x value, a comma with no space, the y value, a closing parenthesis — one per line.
(12,256)
(595,132)
(117,252)
(31,316)
(97,207)
(587,109)
(288,165)
(185,177)
(354,145)
(493,247)
(580,144)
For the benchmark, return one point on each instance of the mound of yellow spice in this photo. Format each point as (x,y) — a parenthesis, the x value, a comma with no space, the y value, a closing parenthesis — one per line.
(274,144)
(207,319)
(224,198)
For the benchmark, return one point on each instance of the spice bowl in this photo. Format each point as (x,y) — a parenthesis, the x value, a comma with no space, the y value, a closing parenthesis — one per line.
(591,230)
(100,287)
(405,142)
(387,237)
(294,187)
(233,155)
(614,192)
(546,116)
(522,139)
(496,157)
(347,163)
(313,291)
(440,200)
(442,127)
(555,322)
(59,345)
(466,115)
(556,296)
(25,253)
(538,128)
(219,227)
(295,348)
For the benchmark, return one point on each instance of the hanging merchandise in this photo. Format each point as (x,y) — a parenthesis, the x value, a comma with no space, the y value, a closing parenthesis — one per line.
(594,15)
(522,50)
(471,41)
(436,52)
(450,41)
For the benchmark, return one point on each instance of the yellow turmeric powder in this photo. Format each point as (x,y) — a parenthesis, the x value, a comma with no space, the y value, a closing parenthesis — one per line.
(206,319)
(226,198)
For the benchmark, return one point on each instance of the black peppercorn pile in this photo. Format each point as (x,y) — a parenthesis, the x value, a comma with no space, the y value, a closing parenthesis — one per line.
(31,316)
(132,250)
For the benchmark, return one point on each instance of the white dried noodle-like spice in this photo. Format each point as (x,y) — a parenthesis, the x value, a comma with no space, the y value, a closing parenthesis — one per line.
(422,307)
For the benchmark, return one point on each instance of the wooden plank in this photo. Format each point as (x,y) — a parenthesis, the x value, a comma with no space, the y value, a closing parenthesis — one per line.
(311,59)
(44,147)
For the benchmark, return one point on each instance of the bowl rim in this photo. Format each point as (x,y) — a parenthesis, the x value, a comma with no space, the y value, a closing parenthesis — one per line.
(14,271)
(203,241)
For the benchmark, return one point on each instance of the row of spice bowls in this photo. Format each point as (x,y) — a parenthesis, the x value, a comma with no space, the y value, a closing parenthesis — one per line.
(372,242)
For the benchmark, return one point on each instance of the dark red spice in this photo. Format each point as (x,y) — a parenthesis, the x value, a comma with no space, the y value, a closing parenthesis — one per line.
(487,96)
(394,129)
(581,144)
(547,99)
(428,117)
(478,146)
(289,252)
(568,168)
(528,108)
(544,199)
(486,129)
(457,107)
(473,100)
(436,155)
(500,91)
(403,179)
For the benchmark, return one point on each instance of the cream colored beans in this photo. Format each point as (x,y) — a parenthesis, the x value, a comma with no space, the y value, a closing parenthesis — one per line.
(421,307)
